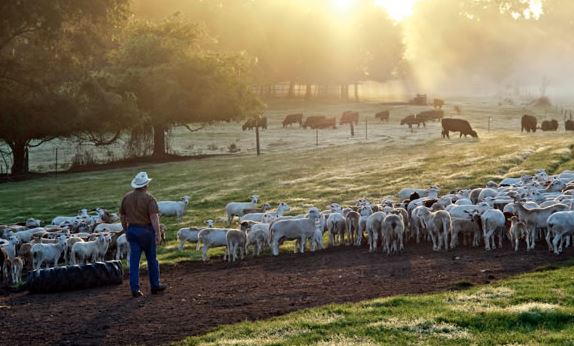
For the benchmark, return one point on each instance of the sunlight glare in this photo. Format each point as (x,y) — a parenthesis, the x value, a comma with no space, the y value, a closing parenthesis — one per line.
(342,5)
(398,10)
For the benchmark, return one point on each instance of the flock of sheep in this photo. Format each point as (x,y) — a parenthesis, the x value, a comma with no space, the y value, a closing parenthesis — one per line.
(526,209)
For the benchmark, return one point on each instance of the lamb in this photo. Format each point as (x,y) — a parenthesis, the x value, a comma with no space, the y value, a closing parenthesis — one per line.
(92,249)
(211,237)
(236,208)
(439,227)
(294,229)
(491,222)
(537,218)
(188,234)
(174,208)
(560,224)
(26,236)
(33,223)
(263,209)
(122,247)
(353,218)
(47,252)
(258,235)
(465,227)
(337,227)
(12,271)
(365,211)
(393,229)
(374,229)
(419,219)
(82,215)
(68,248)
(10,248)
(517,231)
(236,240)
(258,216)
(109,227)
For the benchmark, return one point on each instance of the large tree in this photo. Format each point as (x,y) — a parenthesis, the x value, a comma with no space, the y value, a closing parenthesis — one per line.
(175,81)
(47,48)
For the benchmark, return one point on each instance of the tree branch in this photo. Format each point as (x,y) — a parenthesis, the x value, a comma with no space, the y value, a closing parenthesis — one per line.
(45,140)
(98,141)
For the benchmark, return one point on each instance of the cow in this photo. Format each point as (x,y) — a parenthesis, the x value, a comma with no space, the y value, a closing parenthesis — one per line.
(311,120)
(430,115)
(528,123)
(383,116)
(569,125)
(457,125)
(411,120)
(349,117)
(250,124)
(292,119)
(438,103)
(549,125)
(325,123)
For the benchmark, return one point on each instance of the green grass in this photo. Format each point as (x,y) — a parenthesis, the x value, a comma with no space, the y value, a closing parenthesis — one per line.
(535,308)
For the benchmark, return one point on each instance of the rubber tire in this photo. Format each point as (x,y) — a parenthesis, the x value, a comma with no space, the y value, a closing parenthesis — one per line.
(75,277)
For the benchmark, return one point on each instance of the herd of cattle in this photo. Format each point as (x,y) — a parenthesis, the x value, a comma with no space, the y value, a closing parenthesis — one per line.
(529,123)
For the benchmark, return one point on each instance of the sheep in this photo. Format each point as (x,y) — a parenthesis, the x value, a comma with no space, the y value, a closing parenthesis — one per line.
(490,222)
(281,209)
(365,211)
(92,249)
(374,229)
(537,218)
(353,218)
(465,227)
(26,236)
(337,227)
(122,247)
(211,237)
(560,224)
(291,229)
(109,227)
(263,209)
(82,215)
(236,208)
(257,235)
(33,223)
(517,231)
(393,229)
(173,208)
(12,271)
(236,240)
(47,252)
(439,226)
(406,193)
(188,234)
(10,247)
(419,218)
(25,253)
(68,248)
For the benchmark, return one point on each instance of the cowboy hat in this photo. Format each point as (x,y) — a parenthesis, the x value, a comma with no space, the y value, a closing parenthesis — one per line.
(140,180)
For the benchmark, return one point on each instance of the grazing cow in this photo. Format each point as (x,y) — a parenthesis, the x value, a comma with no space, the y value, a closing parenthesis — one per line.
(549,125)
(438,103)
(292,119)
(383,116)
(569,125)
(310,121)
(411,120)
(325,123)
(250,124)
(457,125)
(349,117)
(430,115)
(528,123)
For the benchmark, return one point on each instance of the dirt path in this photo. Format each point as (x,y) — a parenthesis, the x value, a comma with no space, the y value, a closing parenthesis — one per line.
(203,296)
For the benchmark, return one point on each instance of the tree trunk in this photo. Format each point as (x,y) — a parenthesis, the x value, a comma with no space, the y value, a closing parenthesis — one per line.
(19,164)
(356,92)
(291,92)
(308,91)
(158,141)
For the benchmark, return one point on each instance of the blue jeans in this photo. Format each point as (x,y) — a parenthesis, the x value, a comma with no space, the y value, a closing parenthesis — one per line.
(142,238)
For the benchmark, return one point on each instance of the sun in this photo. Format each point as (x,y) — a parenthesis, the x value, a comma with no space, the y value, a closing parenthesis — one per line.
(398,10)
(342,5)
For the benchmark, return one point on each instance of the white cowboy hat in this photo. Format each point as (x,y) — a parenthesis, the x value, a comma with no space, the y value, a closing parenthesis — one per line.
(140,180)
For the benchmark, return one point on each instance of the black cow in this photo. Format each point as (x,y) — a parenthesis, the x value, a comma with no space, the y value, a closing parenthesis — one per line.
(457,125)
(549,125)
(410,120)
(292,119)
(569,125)
(383,116)
(528,123)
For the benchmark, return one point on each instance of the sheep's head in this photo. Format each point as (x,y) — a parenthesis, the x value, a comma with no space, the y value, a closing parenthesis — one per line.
(186,199)
(335,207)
(314,212)
(266,206)
(254,199)
(209,223)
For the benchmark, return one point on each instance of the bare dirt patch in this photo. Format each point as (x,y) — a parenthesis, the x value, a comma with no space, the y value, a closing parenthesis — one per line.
(204,296)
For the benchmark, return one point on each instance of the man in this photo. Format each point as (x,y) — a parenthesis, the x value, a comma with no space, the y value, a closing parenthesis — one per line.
(140,217)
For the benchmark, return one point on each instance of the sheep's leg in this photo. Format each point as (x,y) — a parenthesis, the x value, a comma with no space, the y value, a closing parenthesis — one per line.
(275,248)
(500,236)
(548,236)
(302,245)
(204,257)
(454,240)
(555,244)
(181,244)
(434,240)
(516,241)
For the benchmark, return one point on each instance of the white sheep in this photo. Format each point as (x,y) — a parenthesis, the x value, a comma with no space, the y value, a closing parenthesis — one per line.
(12,271)
(374,229)
(337,227)
(439,227)
(258,235)
(68,248)
(26,235)
(189,234)
(281,209)
(82,251)
(173,208)
(122,247)
(236,208)
(211,237)
(393,229)
(109,227)
(236,241)
(47,252)
(491,222)
(466,227)
(406,193)
(365,211)
(560,224)
(419,219)
(294,229)
(517,231)
(536,218)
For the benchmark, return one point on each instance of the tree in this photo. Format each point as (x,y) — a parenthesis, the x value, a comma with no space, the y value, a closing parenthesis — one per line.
(175,81)
(46,49)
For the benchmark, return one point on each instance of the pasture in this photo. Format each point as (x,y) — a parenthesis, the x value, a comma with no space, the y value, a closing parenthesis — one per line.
(341,169)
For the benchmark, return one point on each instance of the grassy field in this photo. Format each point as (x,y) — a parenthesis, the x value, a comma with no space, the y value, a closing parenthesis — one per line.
(531,309)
